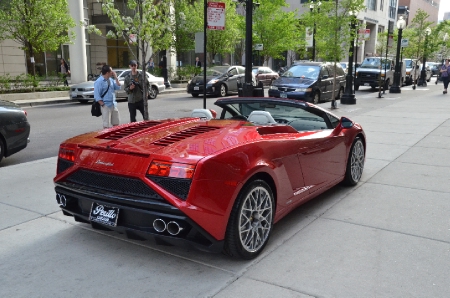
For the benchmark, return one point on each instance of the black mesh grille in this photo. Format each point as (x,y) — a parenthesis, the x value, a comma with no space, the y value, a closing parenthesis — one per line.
(184,134)
(63,165)
(111,183)
(178,186)
(128,130)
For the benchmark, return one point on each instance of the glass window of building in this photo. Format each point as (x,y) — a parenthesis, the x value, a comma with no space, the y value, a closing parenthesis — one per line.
(372,4)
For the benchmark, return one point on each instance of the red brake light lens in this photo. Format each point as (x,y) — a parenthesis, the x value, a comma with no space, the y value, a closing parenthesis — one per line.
(171,169)
(66,153)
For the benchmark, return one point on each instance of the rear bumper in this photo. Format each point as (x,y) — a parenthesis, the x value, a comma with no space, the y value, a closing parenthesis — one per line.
(136,217)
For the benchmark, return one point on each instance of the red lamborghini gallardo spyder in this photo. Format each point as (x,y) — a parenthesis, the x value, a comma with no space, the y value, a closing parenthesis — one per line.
(215,184)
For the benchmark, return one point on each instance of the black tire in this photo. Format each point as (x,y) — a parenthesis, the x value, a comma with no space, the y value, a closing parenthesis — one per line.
(152,92)
(194,95)
(223,90)
(2,149)
(386,84)
(356,87)
(316,98)
(340,93)
(251,221)
(355,163)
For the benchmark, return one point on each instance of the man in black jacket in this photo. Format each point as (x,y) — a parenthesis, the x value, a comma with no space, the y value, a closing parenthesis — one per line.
(134,83)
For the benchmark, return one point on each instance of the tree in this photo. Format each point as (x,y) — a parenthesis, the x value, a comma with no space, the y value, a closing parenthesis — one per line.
(224,41)
(37,25)
(415,33)
(276,29)
(150,24)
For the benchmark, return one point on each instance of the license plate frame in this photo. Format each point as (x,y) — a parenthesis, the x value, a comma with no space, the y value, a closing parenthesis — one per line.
(196,88)
(283,95)
(104,214)
(366,84)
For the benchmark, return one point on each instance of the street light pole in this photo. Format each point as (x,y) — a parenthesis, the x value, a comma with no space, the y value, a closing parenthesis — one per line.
(247,88)
(311,9)
(395,88)
(349,97)
(423,73)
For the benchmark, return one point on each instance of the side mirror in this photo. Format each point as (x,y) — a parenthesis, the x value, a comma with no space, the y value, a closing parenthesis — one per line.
(346,123)
(230,74)
(260,71)
(417,66)
(324,77)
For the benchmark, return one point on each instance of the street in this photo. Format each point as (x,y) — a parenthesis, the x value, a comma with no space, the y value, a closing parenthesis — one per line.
(387,237)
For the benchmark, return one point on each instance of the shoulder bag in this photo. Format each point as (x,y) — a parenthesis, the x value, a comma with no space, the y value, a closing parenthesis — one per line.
(96,109)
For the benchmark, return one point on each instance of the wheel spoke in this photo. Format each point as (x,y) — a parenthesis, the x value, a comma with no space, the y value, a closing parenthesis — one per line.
(255,219)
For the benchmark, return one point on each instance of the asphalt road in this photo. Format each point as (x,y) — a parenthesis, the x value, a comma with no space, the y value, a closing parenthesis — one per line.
(52,124)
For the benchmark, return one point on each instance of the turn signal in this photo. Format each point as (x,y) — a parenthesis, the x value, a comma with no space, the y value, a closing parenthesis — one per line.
(170,169)
(66,153)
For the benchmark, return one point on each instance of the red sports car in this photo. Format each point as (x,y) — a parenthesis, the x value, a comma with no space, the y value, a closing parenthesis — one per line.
(216,184)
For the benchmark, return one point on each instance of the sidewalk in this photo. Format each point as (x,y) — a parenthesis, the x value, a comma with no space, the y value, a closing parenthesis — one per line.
(54,97)
(387,237)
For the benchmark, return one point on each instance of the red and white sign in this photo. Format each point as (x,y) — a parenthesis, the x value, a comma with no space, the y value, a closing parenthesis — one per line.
(364,34)
(216,16)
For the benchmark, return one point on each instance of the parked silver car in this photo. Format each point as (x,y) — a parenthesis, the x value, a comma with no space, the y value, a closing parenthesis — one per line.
(83,92)
(156,84)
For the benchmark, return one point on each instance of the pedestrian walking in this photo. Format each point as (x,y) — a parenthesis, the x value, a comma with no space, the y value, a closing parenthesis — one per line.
(445,68)
(64,70)
(134,83)
(151,66)
(104,93)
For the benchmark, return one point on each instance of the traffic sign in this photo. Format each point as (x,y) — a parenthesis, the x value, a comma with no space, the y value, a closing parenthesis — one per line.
(404,42)
(216,15)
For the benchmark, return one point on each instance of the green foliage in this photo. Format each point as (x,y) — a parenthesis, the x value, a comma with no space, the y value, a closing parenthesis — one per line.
(37,25)
(29,83)
(333,34)
(224,41)
(186,72)
(415,33)
(276,29)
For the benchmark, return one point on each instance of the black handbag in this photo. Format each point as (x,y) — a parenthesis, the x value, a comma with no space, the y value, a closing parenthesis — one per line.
(96,109)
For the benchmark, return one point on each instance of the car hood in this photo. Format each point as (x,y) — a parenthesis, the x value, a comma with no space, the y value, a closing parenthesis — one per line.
(199,79)
(89,84)
(186,139)
(293,82)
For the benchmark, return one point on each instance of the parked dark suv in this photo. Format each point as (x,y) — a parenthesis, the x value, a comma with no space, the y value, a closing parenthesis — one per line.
(309,81)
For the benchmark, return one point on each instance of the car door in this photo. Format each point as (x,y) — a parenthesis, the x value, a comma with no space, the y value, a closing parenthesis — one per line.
(322,155)
(324,83)
(232,79)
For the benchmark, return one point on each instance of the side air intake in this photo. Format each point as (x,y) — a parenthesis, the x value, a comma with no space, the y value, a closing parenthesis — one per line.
(128,130)
(184,134)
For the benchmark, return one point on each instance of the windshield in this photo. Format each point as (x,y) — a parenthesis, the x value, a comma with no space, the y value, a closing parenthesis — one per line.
(408,63)
(375,63)
(300,118)
(303,71)
(216,70)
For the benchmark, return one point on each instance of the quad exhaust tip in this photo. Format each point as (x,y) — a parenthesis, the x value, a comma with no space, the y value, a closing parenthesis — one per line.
(172,227)
(159,225)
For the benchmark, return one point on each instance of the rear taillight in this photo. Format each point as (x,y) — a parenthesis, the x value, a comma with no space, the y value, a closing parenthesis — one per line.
(66,153)
(171,169)
(25,112)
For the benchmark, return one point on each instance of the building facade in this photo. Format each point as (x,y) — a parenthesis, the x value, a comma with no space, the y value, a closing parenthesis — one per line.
(429,6)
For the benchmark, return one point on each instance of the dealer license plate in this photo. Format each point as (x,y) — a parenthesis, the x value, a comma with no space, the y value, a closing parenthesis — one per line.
(283,95)
(74,94)
(103,214)
(366,84)
(196,88)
